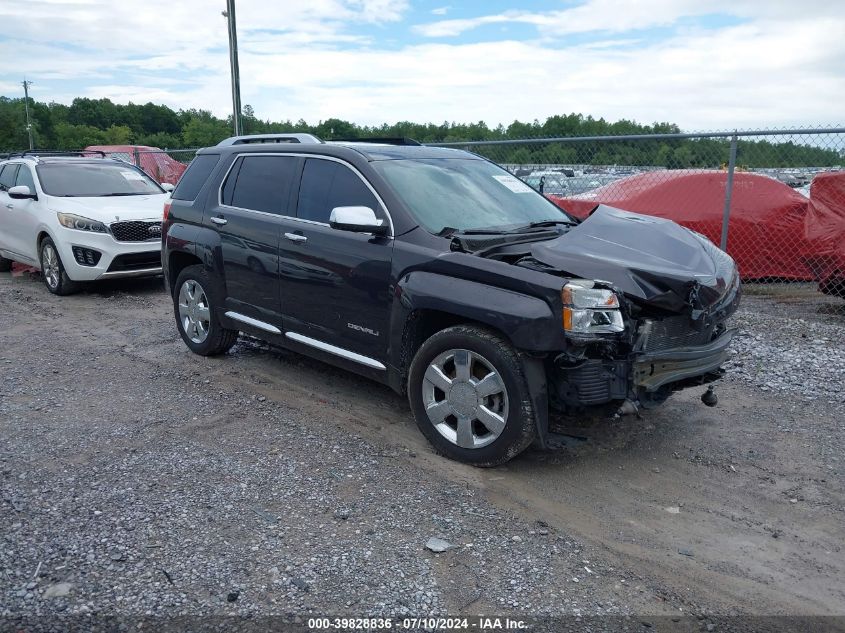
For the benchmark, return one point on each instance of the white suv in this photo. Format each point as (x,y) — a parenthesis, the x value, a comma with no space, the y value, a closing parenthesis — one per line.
(79,219)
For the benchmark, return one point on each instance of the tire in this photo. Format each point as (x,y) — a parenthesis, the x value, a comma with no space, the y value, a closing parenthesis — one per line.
(196,298)
(5,265)
(53,271)
(462,359)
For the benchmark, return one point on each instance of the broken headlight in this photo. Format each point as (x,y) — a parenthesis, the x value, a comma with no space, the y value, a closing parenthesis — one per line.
(590,310)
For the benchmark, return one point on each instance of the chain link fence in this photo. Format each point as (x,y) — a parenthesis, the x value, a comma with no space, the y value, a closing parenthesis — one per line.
(165,166)
(773,199)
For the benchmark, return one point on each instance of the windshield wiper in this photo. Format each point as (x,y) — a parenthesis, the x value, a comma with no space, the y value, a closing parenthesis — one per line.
(543,223)
(135,193)
(449,231)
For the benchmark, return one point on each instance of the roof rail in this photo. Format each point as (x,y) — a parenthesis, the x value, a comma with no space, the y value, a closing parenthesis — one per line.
(56,152)
(269,138)
(389,140)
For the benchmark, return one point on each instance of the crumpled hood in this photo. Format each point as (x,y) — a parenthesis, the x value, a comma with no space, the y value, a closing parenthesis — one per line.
(652,260)
(113,209)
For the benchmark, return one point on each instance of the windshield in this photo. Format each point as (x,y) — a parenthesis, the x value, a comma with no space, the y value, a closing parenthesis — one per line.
(465,194)
(94,180)
(552,183)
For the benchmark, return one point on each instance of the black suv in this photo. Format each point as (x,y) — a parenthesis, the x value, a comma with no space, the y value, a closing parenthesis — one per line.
(438,273)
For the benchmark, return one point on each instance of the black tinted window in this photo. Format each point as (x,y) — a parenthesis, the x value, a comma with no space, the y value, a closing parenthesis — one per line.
(326,185)
(7,177)
(229,185)
(262,183)
(195,176)
(25,178)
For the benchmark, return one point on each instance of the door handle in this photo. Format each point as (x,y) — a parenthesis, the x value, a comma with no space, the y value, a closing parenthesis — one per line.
(10,206)
(219,220)
(296,237)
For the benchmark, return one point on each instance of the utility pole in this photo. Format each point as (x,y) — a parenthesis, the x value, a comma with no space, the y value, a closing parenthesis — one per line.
(229,14)
(26,85)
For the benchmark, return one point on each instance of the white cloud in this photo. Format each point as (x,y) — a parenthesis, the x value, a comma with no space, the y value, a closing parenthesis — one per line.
(440,10)
(623,15)
(303,60)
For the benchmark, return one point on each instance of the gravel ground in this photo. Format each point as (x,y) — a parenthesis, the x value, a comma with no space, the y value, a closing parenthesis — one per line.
(139,479)
(783,353)
(145,487)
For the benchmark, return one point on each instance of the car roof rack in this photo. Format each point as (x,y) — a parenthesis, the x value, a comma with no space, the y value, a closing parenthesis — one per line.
(269,138)
(56,152)
(387,140)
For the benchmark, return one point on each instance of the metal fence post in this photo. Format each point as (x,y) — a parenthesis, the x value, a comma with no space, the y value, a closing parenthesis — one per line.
(137,157)
(729,187)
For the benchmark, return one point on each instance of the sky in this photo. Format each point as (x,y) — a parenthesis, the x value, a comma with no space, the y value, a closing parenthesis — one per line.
(703,64)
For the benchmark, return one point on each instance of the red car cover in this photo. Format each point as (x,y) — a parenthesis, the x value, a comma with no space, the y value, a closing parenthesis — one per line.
(154,161)
(766,233)
(824,226)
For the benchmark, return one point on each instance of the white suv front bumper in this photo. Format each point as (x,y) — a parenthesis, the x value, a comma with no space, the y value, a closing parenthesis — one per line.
(116,259)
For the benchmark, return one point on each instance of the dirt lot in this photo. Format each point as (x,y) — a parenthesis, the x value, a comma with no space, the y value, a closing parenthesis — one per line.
(138,478)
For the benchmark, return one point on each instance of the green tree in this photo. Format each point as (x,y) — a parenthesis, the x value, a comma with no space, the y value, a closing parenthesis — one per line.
(117,135)
(69,136)
(204,133)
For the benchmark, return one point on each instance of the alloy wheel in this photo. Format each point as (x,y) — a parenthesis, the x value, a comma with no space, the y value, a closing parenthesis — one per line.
(194,311)
(465,398)
(50,266)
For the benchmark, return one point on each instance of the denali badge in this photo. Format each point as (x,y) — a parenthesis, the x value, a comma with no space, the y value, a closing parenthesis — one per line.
(361,328)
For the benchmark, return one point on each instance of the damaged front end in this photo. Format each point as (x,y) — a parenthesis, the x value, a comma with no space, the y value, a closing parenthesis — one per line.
(677,291)
(644,308)
(656,354)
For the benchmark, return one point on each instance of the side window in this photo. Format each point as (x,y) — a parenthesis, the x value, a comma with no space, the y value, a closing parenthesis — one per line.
(326,185)
(195,176)
(261,183)
(25,178)
(229,185)
(7,176)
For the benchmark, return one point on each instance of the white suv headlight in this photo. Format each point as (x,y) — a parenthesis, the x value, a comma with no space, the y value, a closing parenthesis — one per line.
(590,310)
(71,221)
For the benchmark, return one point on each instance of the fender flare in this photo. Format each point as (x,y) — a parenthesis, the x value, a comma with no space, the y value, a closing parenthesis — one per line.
(526,321)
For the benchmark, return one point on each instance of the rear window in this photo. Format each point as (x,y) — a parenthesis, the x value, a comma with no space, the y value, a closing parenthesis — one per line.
(94,180)
(195,176)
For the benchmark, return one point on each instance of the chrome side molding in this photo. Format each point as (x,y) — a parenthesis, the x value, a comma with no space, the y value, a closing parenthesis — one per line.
(261,325)
(337,351)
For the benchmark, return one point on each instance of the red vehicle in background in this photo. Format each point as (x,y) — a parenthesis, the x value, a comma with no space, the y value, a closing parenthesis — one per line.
(825,228)
(766,236)
(153,160)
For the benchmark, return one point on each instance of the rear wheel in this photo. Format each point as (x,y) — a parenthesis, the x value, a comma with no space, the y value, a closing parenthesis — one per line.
(195,301)
(53,271)
(469,396)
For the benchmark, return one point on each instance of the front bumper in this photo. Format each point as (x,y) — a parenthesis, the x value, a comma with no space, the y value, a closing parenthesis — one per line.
(647,377)
(116,259)
(652,371)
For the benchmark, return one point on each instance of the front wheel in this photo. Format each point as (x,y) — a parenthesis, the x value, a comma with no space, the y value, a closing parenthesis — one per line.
(469,396)
(194,304)
(53,271)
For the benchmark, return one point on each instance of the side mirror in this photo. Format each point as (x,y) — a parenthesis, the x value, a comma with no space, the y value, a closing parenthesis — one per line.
(167,187)
(22,192)
(357,220)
